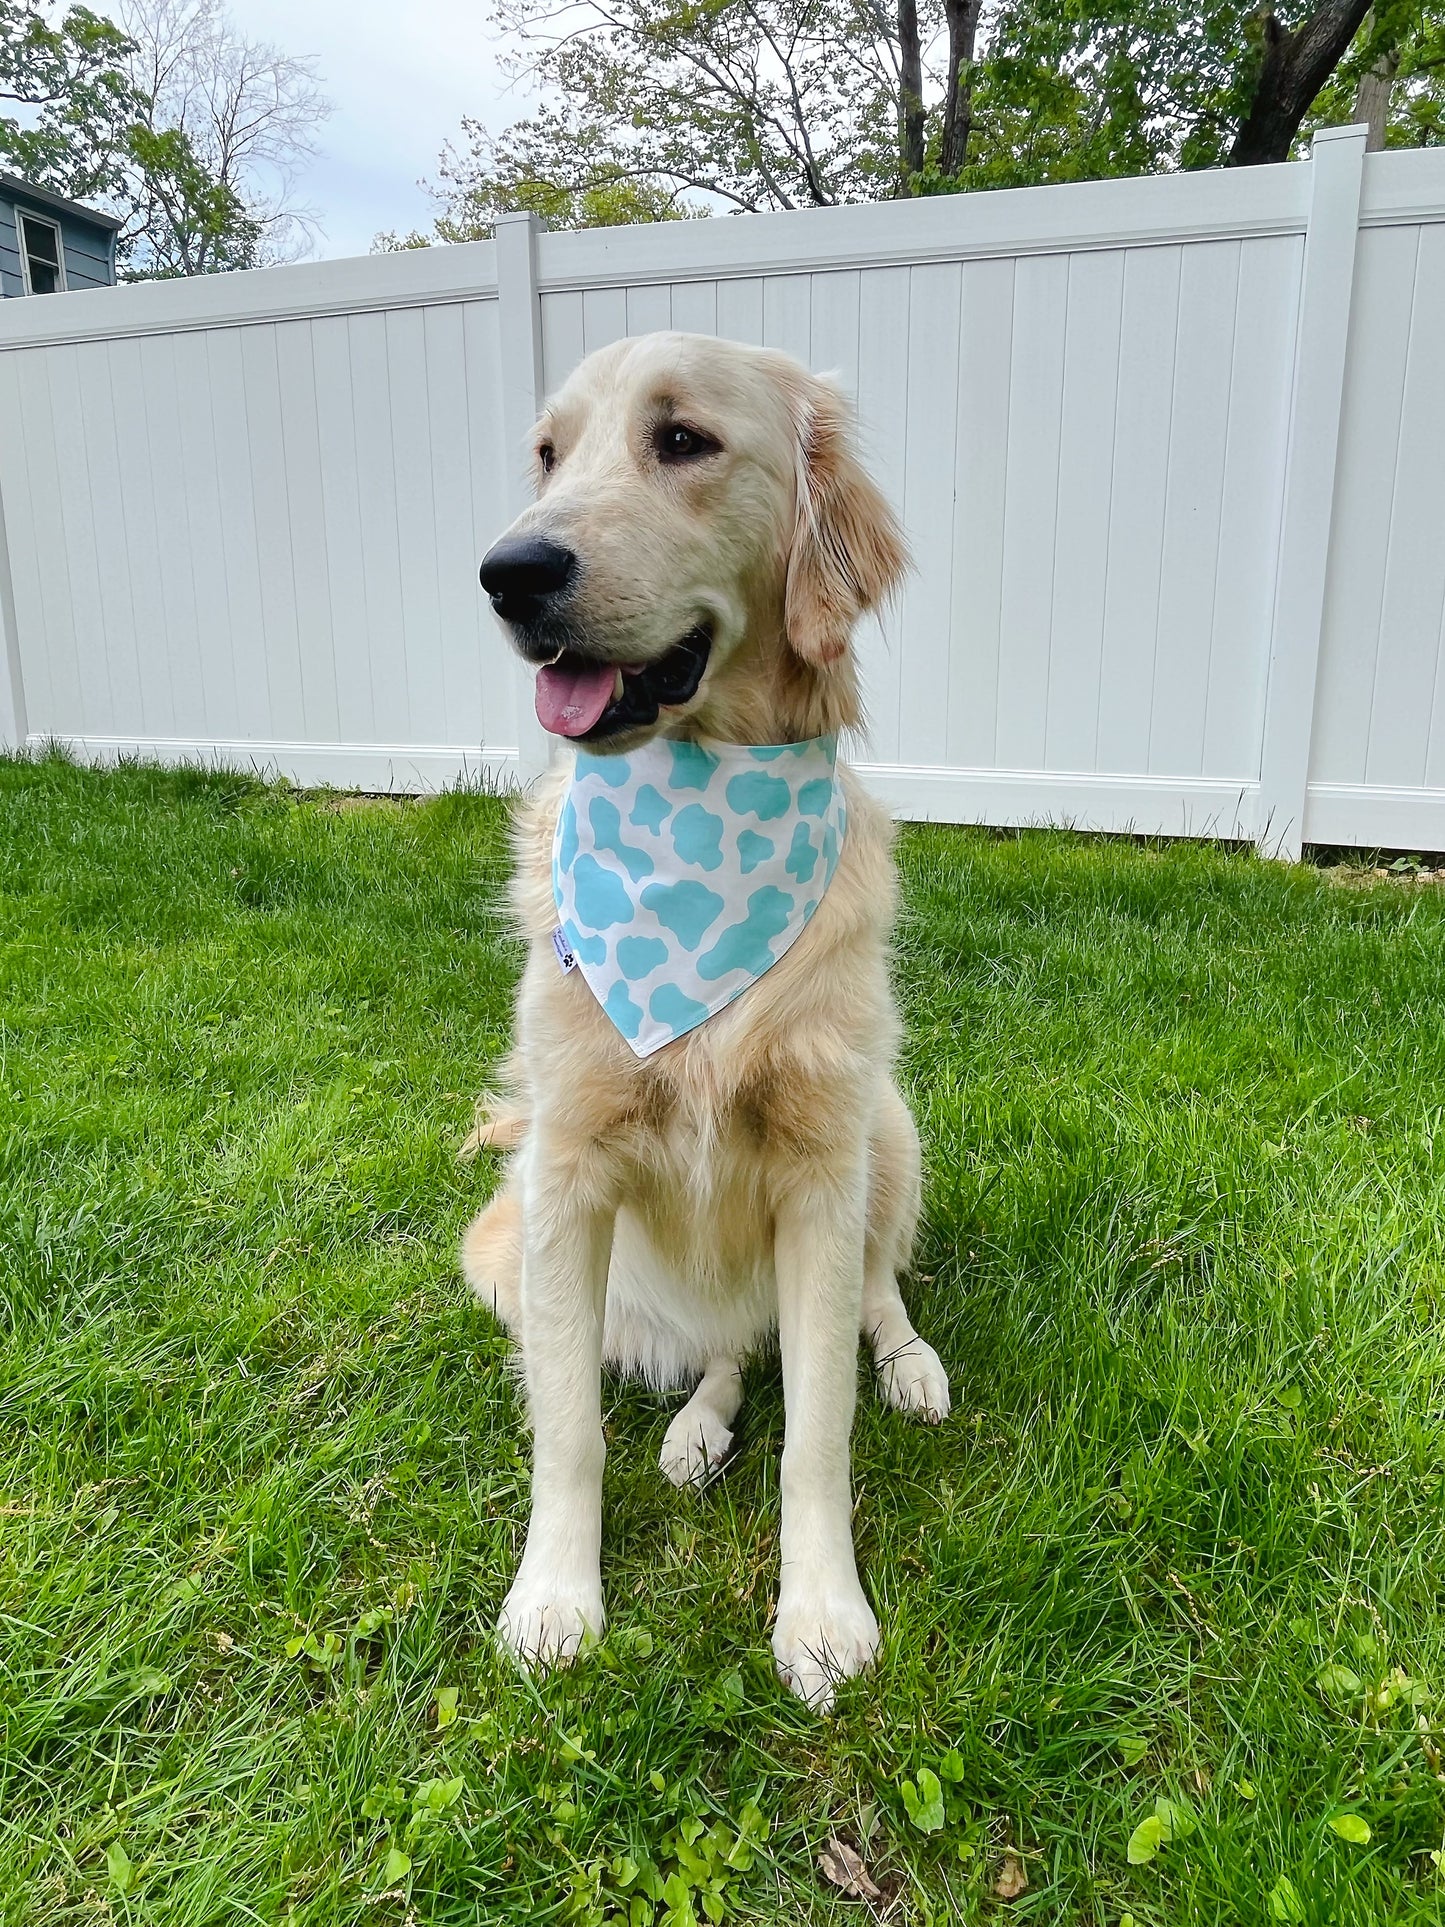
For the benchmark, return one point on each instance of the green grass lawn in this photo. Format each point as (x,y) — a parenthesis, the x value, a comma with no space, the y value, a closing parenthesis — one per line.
(263,1477)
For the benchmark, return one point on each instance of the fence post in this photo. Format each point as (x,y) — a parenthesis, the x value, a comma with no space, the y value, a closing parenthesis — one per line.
(1337,160)
(14,724)
(520,329)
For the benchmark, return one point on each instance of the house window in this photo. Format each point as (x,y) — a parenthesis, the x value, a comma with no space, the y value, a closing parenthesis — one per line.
(40,251)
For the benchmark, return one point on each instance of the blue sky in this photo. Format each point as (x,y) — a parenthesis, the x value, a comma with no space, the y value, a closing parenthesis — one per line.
(399,79)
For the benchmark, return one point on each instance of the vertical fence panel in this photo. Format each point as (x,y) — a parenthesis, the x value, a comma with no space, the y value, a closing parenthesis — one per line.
(1040,318)
(107,477)
(14,715)
(740,311)
(1373,420)
(1381,657)
(834,303)
(883,323)
(604,318)
(1325,298)
(788,315)
(694,307)
(502,695)
(306,506)
(1257,406)
(141,448)
(334,377)
(1149,332)
(271,493)
(458,543)
(415,523)
(87,601)
(1085,491)
(1411,609)
(649,310)
(42,584)
(523,389)
(930,469)
(381,563)
(564,339)
(162,405)
(238,522)
(1198,439)
(215,639)
(985,397)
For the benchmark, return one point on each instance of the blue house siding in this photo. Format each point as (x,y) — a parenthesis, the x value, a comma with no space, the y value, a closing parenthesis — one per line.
(87,238)
(88,252)
(11,279)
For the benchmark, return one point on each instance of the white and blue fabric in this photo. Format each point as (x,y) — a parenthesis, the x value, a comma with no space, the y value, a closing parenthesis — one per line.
(683,873)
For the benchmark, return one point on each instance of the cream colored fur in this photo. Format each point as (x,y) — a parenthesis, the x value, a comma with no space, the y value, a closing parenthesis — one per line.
(761,1174)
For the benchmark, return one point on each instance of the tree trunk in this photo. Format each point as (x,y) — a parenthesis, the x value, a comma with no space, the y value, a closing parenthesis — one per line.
(1295,67)
(1372,99)
(962,18)
(911,118)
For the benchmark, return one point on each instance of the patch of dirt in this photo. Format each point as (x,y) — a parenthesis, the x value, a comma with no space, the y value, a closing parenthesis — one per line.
(1354,876)
(339,803)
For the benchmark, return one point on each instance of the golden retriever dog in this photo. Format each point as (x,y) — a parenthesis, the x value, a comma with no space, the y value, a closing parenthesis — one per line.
(703,541)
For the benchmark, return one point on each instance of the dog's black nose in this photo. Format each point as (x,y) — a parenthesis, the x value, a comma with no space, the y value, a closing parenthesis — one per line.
(522,572)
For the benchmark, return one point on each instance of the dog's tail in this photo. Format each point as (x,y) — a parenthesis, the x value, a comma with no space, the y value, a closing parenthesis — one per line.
(497,1126)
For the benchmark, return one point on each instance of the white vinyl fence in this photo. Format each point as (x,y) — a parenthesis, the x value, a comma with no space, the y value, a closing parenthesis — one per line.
(1170,453)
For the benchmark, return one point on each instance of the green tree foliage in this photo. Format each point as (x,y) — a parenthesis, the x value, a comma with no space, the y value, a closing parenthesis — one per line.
(1393,77)
(67,73)
(650,107)
(167,117)
(491,178)
(1085,91)
(648,104)
(185,220)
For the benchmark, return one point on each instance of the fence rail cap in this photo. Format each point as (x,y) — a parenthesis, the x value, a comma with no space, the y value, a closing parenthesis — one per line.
(408,278)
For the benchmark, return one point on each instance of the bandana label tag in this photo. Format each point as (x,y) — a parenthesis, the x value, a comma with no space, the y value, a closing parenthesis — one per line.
(563,949)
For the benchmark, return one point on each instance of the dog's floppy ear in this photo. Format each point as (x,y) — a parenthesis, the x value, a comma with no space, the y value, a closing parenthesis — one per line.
(847,550)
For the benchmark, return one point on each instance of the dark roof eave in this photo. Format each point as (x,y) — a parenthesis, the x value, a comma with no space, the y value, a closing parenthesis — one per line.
(12,184)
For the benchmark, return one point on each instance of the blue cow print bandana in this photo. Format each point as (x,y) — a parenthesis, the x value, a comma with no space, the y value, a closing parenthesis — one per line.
(681,873)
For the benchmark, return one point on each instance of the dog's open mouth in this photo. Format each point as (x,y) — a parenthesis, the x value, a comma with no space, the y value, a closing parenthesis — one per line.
(580,697)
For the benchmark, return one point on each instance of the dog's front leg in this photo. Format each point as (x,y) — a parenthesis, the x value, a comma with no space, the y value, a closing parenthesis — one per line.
(556,1597)
(825,1628)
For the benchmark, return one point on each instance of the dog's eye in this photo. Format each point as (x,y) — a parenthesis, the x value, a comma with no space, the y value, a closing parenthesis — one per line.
(547,456)
(676,442)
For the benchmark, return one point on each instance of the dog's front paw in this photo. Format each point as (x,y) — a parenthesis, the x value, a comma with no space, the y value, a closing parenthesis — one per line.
(913,1380)
(546,1619)
(695,1444)
(822,1635)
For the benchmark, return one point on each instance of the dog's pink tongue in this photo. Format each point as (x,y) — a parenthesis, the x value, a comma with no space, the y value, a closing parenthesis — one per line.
(570,700)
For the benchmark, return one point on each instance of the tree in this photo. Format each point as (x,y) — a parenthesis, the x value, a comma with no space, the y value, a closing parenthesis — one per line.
(489,180)
(962,17)
(222,128)
(649,104)
(1060,92)
(1291,68)
(190,133)
(183,220)
(1080,91)
(67,72)
(1393,77)
(753,103)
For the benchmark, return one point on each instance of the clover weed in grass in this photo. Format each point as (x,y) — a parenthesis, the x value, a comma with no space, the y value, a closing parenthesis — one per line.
(1170,1575)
